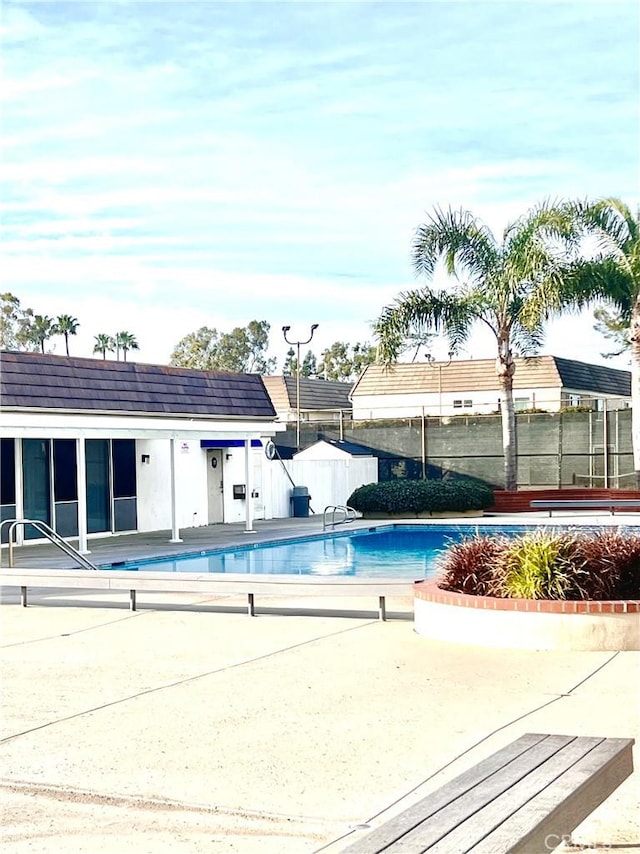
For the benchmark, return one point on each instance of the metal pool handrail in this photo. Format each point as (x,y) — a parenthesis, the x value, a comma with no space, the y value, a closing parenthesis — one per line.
(349,515)
(53,536)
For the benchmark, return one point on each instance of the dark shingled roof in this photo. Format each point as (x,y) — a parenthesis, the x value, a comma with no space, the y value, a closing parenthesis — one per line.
(37,381)
(595,378)
(315,394)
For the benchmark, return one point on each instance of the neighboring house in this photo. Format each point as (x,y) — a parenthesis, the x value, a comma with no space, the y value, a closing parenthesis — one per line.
(467,387)
(320,400)
(93,447)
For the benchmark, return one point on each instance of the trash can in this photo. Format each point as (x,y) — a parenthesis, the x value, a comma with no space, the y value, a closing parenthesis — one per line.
(300,499)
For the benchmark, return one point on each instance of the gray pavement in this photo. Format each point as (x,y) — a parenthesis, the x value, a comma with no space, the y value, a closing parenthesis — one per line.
(190,727)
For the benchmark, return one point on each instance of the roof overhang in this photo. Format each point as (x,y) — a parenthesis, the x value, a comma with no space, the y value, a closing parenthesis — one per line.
(44,425)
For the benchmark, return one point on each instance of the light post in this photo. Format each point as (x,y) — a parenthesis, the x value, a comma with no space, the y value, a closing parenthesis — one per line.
(439,365)
(298,344)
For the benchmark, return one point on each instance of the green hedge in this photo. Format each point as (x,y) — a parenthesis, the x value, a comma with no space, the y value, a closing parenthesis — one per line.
(410,497)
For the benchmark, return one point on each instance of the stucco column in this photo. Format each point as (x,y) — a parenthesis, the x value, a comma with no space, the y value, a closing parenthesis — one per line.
(19,530)
(81,478)
(248,479)
(175,531)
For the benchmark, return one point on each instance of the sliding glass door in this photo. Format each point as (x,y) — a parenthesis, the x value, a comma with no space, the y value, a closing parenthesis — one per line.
(36,480)
(98,485)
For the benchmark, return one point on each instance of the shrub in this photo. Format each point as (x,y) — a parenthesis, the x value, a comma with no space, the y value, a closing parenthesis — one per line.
(469,566)
(541,565)
(545,565)
(611,560)
(410,497)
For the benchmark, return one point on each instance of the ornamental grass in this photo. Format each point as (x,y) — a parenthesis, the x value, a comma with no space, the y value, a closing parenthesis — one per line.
(545,564)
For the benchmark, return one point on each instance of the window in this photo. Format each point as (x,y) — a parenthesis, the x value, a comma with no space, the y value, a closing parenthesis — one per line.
(7,471)
(457,404)
(124,467)
(521,403)
(65,470)
(467,404)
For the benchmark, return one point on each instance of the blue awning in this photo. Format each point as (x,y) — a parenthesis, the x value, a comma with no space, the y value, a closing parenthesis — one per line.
(228,443)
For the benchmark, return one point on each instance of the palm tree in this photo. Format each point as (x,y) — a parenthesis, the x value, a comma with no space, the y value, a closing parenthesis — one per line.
(125,341)
(42,328)
(511,287)
(65,325)
(104,344)
(613,276)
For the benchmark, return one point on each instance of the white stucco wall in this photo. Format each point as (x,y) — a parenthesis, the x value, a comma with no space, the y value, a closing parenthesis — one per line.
(366,407)
(154,484)
(233,471)
(329,481)
(433,404)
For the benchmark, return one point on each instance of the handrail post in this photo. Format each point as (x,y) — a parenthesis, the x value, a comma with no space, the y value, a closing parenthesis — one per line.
(51,535)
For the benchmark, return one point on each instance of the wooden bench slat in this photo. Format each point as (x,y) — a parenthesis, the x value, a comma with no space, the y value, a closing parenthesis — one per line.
(470,817)
(539,786)
(389,832)
(559,809)
(494,805)
(610,504)
(585,502)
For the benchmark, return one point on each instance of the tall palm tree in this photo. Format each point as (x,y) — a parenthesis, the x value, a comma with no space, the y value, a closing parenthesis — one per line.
(104,344)
(612,275)
(511,286)
(125,341)
(65,325)
(42,328)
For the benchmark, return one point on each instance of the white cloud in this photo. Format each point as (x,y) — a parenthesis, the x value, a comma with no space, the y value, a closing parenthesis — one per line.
(19,25)
(217,163)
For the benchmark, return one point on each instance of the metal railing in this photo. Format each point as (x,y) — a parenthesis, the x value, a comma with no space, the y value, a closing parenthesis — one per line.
(349,514)
(51,535)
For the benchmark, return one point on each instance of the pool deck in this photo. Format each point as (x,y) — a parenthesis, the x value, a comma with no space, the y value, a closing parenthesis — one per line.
(187,727)
(157,543)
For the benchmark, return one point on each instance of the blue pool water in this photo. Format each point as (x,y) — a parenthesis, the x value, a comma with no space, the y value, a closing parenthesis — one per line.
(391,551)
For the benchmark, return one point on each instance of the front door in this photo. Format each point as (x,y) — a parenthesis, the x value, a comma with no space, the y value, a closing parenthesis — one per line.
(257,497)
(214,486)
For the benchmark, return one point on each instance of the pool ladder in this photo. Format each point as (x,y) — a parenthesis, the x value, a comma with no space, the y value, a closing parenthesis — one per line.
(51,535)
(348,514)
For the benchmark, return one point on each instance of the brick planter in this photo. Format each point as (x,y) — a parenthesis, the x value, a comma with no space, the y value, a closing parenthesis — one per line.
(525,623)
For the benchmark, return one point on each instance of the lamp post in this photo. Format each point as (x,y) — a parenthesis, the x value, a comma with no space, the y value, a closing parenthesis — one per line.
(439,365)
(298,344)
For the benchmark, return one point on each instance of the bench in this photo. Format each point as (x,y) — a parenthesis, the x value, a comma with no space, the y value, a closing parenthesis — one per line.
(207,584)
(586,504)
(527,799)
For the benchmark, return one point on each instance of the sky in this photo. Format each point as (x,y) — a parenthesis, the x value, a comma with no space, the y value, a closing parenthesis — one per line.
(172,165)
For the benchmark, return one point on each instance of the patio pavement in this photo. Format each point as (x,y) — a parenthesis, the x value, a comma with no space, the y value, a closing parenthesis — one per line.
(189,727)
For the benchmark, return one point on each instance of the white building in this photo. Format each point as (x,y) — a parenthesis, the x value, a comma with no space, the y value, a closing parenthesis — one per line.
(470,387)
(90,446)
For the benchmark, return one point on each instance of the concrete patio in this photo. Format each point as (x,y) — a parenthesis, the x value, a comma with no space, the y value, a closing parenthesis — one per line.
(189,727)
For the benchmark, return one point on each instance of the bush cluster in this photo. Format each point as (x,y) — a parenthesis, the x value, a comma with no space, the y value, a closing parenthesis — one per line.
(410,497)
(545,565)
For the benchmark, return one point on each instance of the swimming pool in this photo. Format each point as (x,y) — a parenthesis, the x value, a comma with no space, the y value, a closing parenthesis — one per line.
(388,551)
